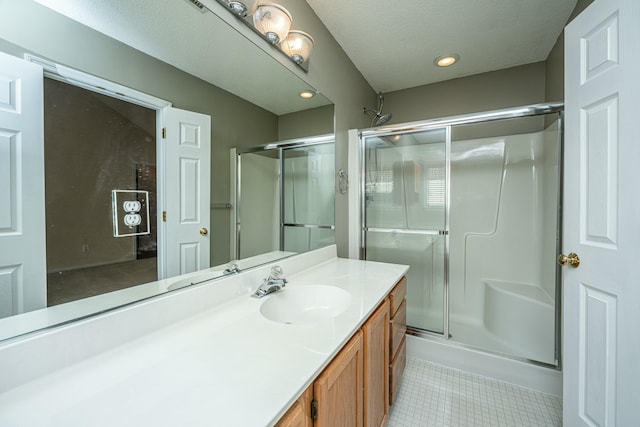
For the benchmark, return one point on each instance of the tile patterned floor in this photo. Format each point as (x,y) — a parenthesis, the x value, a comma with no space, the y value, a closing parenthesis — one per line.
(434,395)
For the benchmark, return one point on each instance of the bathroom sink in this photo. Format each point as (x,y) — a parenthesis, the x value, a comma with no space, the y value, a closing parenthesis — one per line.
(305,304)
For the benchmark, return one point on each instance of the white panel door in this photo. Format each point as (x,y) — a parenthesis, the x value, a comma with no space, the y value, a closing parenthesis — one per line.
(187,200)
(23,278)
(601,336)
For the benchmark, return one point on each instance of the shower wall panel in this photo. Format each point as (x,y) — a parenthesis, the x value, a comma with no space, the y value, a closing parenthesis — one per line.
(477,168)
(503,210)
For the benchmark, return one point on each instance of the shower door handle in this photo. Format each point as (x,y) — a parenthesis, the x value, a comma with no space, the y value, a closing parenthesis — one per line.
(571,260)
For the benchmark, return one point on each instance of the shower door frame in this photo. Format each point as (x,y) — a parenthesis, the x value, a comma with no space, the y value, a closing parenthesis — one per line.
(280,147)
(447,123)
(413,127)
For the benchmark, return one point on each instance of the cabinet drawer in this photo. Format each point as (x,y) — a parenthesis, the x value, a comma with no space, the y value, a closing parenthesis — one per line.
(396,370)
(397,295)
(398,328)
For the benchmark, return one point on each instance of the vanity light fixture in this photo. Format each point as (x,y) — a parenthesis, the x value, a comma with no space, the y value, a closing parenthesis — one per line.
(272,23)
(446,60)
(242,7)
(298,45)
(272,20)
(307,94)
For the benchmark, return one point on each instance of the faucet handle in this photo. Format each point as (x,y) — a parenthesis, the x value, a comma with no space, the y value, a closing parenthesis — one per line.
(276,272)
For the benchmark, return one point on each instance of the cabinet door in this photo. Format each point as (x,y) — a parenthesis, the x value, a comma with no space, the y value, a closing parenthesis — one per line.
(376,367)
(299,415)
(338,390)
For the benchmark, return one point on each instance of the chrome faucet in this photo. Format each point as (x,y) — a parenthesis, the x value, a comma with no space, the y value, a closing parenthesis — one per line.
(271,284)
(232,268)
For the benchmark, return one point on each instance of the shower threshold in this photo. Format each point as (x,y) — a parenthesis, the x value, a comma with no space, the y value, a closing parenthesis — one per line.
(451,341)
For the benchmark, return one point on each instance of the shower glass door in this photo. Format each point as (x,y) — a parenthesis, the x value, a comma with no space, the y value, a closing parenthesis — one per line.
(405,216)
(285,197)
(472,204)
(258,203)
(308,197)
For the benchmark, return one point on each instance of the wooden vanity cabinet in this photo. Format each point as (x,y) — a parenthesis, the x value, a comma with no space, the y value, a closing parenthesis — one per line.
(359,384)
(376,363)
(299,414)
(397,341)
(338,389)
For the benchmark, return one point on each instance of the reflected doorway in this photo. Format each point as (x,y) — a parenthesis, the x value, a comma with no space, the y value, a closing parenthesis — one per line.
(95,144)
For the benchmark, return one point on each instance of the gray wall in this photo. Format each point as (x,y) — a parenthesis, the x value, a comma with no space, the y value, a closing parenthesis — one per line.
(315,121)
(494,90)
(38,30)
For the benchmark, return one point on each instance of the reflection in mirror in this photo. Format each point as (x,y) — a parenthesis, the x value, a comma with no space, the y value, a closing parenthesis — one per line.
(96,144)
(308,197)
(110,269)
(290,186)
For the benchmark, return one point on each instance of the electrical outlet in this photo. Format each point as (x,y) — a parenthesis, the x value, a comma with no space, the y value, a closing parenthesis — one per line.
(132,220)
(132,206)
(85,248)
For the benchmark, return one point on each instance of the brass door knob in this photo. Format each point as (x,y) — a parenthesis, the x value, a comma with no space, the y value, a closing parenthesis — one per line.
(571,260)
(204,231)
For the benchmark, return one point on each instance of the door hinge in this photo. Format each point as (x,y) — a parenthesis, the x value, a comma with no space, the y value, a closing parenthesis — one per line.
(164,132)
(164,216)
(314,409)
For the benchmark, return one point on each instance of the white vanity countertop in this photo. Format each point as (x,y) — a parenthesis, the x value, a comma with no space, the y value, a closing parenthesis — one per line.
(226,366)
(40,319)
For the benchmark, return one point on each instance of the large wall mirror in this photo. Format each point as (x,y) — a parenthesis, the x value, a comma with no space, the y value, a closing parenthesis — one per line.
(95,143)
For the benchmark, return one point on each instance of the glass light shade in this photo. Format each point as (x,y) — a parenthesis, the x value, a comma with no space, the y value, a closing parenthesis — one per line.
(242,7)
(298,45)
(272,20)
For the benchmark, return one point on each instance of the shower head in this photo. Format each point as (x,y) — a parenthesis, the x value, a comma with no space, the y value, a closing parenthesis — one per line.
(378,118)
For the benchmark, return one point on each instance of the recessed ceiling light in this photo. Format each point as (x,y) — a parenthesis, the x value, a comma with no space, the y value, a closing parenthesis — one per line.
(446,60)
(307,94)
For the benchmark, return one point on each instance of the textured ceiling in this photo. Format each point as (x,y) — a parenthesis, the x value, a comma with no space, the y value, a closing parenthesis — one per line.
(394,43)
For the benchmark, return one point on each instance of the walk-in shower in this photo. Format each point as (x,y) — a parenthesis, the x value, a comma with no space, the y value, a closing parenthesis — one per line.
(284,197)
(471,203)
